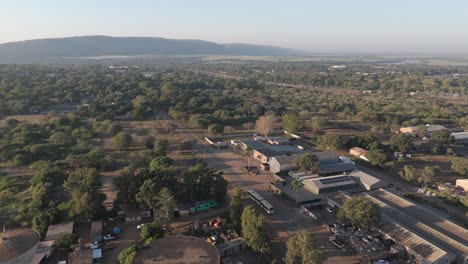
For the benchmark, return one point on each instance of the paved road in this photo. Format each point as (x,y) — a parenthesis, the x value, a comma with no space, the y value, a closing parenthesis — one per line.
(287,219)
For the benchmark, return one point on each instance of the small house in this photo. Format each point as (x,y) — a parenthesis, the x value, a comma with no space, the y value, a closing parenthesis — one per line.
(358,152)
(136,215)
(205,205)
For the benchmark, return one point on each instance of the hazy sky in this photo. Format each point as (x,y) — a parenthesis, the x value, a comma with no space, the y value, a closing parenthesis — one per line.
(434,26)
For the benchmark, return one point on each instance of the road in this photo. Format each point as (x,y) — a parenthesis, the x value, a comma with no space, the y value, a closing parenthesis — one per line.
(299,86)
(287,219)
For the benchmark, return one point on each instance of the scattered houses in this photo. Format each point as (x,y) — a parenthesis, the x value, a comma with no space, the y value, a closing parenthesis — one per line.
(462,183)
(426,129)
(460,137)
(358,152)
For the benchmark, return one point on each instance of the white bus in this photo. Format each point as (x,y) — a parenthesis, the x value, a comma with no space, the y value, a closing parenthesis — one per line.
(260,201)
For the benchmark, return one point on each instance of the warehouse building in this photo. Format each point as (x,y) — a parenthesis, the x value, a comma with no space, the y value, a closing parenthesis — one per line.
(367,181)
(329,184)
(423,232)
(330,164)
(460,137)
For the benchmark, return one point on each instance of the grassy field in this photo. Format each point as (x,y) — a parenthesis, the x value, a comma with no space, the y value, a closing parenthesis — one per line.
(27,118)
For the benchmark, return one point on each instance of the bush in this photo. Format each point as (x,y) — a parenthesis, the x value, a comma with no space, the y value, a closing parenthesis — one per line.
(66,242)
(127,255)
(152,230)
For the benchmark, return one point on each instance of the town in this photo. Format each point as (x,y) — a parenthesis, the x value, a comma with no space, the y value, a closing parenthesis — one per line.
(234,132)
(108,184)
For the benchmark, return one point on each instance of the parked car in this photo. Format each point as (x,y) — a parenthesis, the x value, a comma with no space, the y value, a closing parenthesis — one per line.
(381,261)
(139,227)
(108,237)
(330,210)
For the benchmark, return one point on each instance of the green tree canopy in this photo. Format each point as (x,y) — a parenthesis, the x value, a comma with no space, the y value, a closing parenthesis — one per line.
(317,123)
(146,196)
(290,123)
(460,166)
(401,142)
(84,188)
(128,255)
(164,215)
(332,142)
(301,249)
(360,212)
(253,232)
(161,163)
(307,163)
(122,140)
(443,137)
(215,129)
(376,157)
(236,209)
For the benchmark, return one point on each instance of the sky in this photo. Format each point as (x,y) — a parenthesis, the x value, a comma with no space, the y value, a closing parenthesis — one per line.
(340,26)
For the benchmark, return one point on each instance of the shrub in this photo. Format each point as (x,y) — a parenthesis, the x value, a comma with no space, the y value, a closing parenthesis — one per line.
(127,255)
(66,242)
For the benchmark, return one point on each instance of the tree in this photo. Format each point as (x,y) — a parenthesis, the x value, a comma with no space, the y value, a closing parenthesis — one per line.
(290,123)
(252,230)
(317,123)
(360,212)
(236,209)
(297,185)
(149,142)
(152,231)
(426,175)
(301,249)
(164,215)
(146,196)
(401,142)
(460,166)
(332,142)
(265,124)
(443,136)
(40,223)
(127,255)
(161,147)
(408,173)
(215,129)
(60,138)
(307,163)
(198,121)
(247,153)
(84,189)
(161,163)
(376,157)
(66,242)
(122,140)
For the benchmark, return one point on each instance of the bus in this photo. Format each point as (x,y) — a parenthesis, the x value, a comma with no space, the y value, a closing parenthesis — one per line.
(262,202)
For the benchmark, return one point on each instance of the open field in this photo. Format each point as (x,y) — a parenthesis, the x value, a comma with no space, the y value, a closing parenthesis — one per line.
(27,118)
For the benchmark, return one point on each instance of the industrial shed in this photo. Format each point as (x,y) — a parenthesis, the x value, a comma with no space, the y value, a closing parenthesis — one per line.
(367,181)
(460,137)
(282,163)
(329,184)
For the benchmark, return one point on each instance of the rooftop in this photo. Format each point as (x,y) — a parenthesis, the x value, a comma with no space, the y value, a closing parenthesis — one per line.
(460,135)
(429,225)
(332,181)
(19,241)
(178,249)
(230,243)
(364,177)
(58,230)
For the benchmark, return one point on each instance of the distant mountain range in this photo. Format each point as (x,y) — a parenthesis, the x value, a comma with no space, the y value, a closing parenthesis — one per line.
(95,46)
